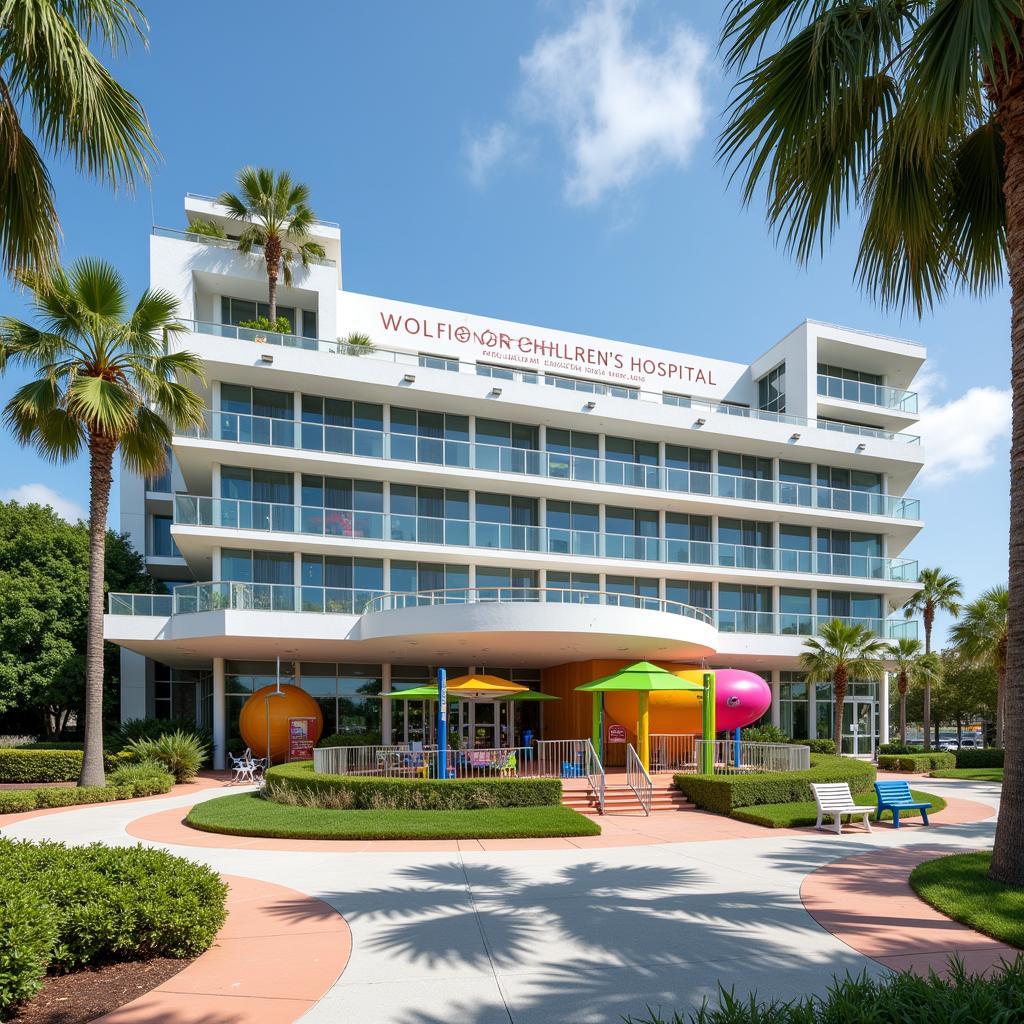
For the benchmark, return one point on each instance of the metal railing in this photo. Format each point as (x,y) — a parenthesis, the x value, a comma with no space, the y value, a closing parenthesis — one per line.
(732,758)
(242,428)
(315,520)
(356,760)
(638,780)
(453,365)
(673,752)
(223,243)
(140,604)
(227,595)
(407,763)
(800,624)
(867,394)
(573,759)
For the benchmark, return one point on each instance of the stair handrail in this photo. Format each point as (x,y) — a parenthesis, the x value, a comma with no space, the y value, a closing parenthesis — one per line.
(595,773)
(638,779)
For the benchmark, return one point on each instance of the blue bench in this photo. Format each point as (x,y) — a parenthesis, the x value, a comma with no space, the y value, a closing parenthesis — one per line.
(896,797)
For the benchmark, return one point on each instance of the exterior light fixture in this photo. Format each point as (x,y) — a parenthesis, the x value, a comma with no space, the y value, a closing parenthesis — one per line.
(591,404)
(701,422)
(410,378)
(795,437)
(267,357)
(496,392)
(861,447)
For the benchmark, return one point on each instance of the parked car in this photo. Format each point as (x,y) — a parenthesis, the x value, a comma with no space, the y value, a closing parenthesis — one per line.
(967,743)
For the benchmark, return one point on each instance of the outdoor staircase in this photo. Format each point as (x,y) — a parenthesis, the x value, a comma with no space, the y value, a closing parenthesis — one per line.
(620,799)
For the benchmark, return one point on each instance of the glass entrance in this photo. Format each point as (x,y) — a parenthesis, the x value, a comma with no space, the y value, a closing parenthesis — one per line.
(858,727)
(480,724)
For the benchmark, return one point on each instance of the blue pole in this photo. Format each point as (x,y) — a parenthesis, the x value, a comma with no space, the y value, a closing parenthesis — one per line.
(736,742)
(442,724)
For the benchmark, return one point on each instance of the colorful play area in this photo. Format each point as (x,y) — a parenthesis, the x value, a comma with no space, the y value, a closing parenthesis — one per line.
(596,717)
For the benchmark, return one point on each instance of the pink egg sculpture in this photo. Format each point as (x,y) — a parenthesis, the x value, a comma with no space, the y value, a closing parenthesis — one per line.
(740,698)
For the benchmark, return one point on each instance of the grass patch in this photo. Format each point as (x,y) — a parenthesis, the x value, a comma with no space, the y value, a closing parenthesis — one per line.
(960,888)
(799,814)
(973,774)
(248,814)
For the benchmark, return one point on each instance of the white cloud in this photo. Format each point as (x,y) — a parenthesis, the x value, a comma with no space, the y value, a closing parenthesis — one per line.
(961,436)
(487,151)
(621,108)
(40,494)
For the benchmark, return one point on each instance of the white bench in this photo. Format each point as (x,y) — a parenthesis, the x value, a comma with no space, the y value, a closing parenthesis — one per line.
(834,799)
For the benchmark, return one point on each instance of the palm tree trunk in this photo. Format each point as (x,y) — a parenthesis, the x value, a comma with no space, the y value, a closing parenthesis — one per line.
(101,461)
(1008,853)
(272,252)
(926,713)
(903,715)
(1000,705)
(839,681)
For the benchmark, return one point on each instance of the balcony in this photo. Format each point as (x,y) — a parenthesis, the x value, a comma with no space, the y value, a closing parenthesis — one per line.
(845,390)
(306,520)
(589,387)
(224,595)
(471,455)
(224,243)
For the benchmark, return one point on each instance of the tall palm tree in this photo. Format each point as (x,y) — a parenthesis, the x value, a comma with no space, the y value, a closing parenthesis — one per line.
(104,382)
(912,115)
(842,651)
(277,218)
(50,78)
(982,635)
(939,592)
(912,664)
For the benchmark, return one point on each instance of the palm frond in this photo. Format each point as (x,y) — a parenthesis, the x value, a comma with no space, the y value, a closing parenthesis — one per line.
(144,446)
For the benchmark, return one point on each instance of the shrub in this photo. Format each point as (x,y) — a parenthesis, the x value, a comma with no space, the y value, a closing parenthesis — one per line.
(54,745)
(154,728)
(117,903)
(147,778)
(763,734)
(16,801)
(60,764)
(723,793)
(262,323)
(27,936)
(297,783)
(181,753)
(899,748)
(916,762)
(817,746)
(351,739)
(992,757)
(907,997)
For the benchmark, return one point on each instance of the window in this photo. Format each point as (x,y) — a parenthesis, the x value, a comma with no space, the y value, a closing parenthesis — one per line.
(504,521)
(849,479)
(634,591)
(163,545)
(681,401)
(583,584)
(794,483)
(794,705)
(433,362)
(332,583)
(697,594)
(745,476)
(591,387)
(795,548)
(624,449)
(741,597)
(746,532)
(733,464)
(408,577)
(862,376)
(522,580)
(244,678)
(309,323)
(239,398)
(505,434)
(176,692)
(437,438)
(234,311)
(505,373)
(688,538)
(795,612)
(839,604)
(430,515)
(771,390)
(162,484)
(263,485)
(271,574)
(572,442)
(634,522)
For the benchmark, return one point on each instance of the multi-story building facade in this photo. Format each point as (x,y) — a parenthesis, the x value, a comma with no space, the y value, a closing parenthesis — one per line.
(482,494)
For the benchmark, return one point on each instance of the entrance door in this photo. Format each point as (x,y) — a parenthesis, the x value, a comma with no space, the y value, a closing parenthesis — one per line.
(484,731)
(858,727)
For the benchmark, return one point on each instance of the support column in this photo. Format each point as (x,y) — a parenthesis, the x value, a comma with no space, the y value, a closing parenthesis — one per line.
(812,714)
(220,716)
(385,711)
(776,698)
(883,710)
(133,685)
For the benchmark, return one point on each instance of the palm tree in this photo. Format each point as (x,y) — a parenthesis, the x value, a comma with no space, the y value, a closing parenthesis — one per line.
(844,650)
(49,75)
(104,382)
(277,218)
(204,226)
(911,115)
(356,343)
(939,592)
(912,664)
(982,636)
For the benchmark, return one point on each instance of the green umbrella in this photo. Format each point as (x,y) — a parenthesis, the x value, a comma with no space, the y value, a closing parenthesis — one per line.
(528,696)
(641,678)
(419,693)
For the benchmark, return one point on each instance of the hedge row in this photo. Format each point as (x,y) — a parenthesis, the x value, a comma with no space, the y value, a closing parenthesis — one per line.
(723,793)
(297,783)
(817,746)
(62,764)
(63,908)
(992,757)
(916,762)
(131,780)
(899,748)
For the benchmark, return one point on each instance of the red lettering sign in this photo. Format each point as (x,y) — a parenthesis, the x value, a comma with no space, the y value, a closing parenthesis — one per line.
(301,732)
(616,734)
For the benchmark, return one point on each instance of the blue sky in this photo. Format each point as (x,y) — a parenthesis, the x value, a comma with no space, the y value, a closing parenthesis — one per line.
(550,163)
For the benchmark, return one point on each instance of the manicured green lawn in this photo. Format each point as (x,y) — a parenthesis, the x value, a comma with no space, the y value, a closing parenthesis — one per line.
(800,814)
(959,886)
(247,814)
(974,774)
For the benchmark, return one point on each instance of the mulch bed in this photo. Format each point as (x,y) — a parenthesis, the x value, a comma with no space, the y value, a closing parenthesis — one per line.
(85,995)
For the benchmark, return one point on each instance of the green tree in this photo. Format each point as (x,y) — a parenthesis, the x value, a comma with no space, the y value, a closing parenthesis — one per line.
(939,592)
(968,690)
(912,665)
(842,651)
(50,77)
(104,382)
(911,116)
(277,218)
(982,635)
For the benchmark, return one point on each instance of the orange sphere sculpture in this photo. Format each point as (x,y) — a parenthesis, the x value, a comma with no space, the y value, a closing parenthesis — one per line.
(252,722)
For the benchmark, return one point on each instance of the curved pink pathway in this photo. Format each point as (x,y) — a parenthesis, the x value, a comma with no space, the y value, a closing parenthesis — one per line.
(245,976)
(867,902)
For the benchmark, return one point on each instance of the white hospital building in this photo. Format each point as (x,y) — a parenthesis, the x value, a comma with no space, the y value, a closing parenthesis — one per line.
(479,494)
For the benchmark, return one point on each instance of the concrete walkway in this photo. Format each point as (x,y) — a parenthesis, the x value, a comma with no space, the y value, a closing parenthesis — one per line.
(526,936)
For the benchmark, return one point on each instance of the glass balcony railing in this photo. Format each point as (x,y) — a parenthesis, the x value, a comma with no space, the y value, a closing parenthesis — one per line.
(697,405)
(312,520)
(223,243)
(492,458)
(867,394)
(234,596)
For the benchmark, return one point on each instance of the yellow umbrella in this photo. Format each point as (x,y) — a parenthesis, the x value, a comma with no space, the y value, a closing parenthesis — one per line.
(477,685)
